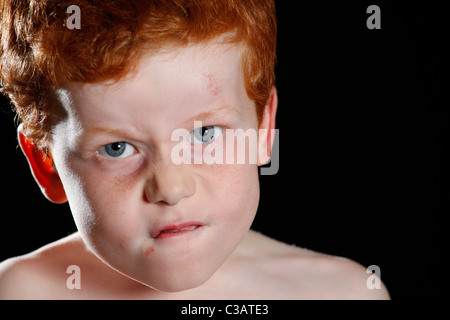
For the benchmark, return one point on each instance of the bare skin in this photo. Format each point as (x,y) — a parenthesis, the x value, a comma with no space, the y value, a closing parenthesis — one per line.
(125,205)
(260,268)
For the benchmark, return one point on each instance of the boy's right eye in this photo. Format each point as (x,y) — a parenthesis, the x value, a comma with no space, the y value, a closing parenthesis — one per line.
(117,150)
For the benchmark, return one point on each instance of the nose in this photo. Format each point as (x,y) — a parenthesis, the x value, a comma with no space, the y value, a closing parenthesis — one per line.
(169,184)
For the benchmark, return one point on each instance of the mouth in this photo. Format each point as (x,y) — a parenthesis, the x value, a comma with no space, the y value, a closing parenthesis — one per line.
(170,231)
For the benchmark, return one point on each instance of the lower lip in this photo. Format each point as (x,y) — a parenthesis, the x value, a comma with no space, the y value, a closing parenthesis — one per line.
(171,234)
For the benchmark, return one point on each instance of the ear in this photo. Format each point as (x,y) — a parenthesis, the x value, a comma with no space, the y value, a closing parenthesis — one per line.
(266,132)
(41,166)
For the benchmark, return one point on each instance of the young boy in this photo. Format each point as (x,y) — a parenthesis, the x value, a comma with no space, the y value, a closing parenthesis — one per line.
(99,107)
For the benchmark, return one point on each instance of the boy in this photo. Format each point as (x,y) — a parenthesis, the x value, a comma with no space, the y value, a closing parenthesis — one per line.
(99,107)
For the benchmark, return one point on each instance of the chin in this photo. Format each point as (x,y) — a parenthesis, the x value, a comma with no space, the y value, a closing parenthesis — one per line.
(181,276)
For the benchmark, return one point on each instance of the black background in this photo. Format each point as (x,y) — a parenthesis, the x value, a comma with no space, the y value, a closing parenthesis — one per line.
(364,145)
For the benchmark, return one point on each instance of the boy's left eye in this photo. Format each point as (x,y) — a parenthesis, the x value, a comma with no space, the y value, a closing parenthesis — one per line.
(205,134)
(117,150)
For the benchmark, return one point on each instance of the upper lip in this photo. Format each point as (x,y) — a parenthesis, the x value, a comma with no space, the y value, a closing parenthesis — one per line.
(177,227)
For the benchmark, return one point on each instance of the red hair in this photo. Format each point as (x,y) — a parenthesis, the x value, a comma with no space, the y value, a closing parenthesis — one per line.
(38,53)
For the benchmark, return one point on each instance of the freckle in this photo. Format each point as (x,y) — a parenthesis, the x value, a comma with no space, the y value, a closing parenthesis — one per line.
(149,251)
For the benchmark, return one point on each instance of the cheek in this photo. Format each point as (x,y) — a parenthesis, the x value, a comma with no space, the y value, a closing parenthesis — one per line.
(118,226)
(235,196)
(112,199)
(102,205)
(107,194)
(241,204)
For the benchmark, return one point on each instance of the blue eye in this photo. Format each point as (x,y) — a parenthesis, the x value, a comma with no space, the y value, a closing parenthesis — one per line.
(117,150)
(205,134)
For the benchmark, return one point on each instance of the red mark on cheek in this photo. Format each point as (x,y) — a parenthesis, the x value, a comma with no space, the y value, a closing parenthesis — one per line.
(149,251)
(214,85)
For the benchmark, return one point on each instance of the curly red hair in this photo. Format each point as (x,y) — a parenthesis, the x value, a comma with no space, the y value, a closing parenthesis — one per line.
(38,53)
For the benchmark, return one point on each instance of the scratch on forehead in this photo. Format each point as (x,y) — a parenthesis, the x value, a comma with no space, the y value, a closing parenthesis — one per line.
(214,85)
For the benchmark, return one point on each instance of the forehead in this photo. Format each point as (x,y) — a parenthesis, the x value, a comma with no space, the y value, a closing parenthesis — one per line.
(169,84)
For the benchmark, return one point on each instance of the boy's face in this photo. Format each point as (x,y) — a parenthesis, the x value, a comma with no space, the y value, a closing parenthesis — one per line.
(168,226)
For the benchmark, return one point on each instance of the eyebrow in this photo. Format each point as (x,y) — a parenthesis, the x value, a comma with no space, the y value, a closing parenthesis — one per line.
(101,131)
(224,110)
(113,132)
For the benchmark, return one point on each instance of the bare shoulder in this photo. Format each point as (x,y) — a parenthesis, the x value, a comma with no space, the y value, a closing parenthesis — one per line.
(40,274)
(306,274)
(331,277)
